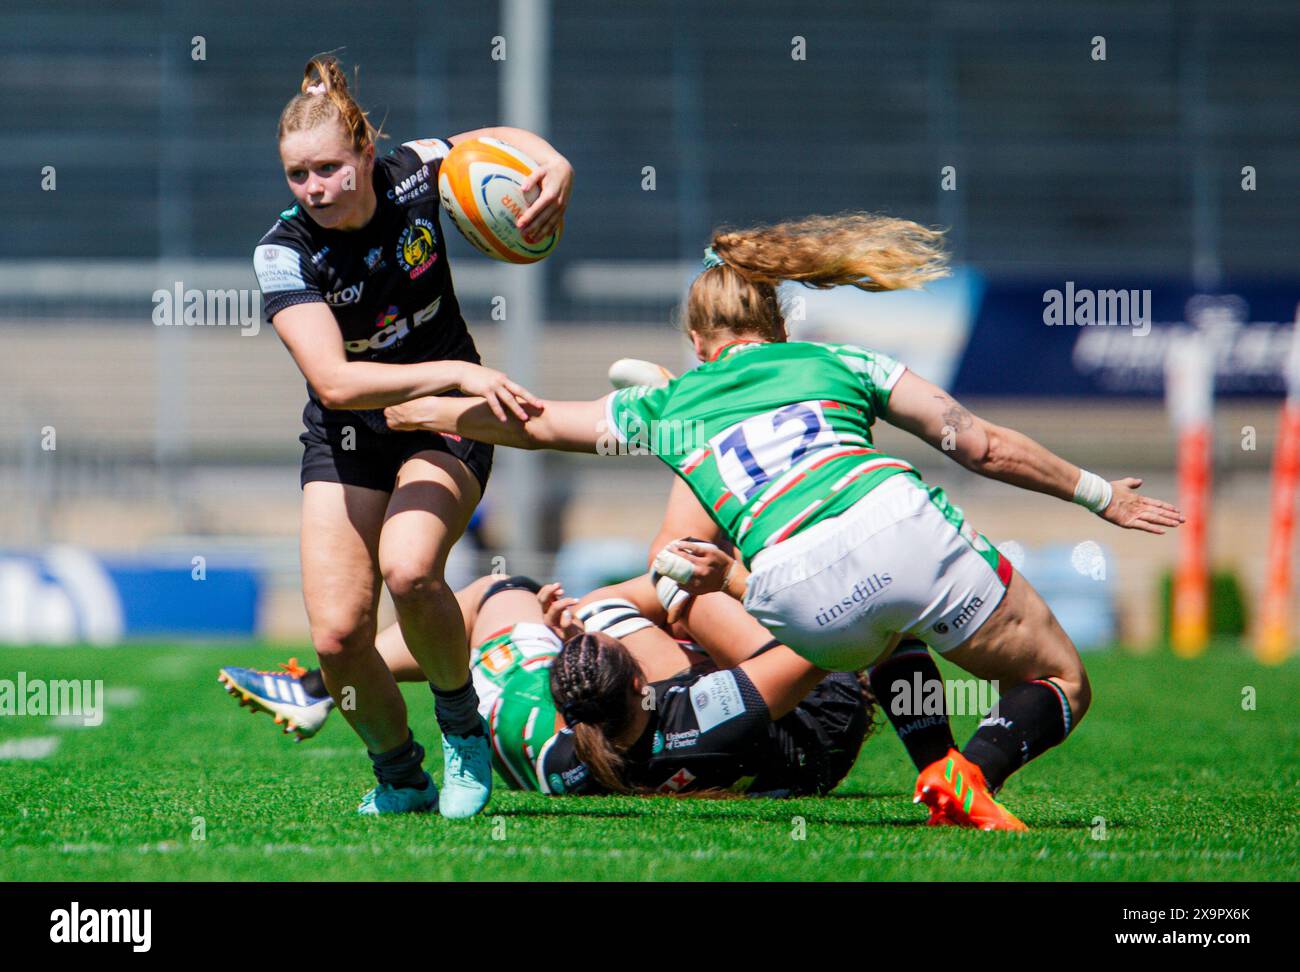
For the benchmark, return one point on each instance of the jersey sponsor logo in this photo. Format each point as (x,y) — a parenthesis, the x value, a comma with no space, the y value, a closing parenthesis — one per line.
(657,746)
(395,329)
(863,591)
(372,257)
(416,248)
(289,213)
(348,295)
(716,699)
(968,611)
(416,184)
(679,740)
(572,777)
(678,781)
(278,269)
(498,659)
(556,782)
(319,255)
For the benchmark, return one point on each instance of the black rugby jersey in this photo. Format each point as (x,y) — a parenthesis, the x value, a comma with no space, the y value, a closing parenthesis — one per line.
(387,283)
(705,732)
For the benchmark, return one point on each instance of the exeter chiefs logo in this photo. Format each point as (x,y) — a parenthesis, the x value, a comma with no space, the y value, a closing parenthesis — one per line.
(416,247)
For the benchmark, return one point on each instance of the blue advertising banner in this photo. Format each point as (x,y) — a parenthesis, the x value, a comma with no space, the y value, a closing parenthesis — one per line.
(1090,338)
(66,595)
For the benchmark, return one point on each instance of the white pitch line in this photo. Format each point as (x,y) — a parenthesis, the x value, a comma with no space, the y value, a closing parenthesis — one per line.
(33,747)
(124,697)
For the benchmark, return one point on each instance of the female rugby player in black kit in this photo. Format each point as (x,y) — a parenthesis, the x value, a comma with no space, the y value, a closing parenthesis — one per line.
(354,278)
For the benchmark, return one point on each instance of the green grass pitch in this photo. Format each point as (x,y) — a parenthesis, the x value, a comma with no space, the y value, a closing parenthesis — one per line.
(1168,778)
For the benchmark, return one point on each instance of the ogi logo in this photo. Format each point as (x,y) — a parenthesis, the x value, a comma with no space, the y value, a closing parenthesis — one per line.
(416,247)
(396,329)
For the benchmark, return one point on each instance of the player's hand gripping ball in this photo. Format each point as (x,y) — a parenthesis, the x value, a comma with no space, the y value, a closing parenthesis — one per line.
(480,184)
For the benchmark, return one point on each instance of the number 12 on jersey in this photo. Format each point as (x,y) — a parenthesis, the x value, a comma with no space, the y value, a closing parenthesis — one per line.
(753,452)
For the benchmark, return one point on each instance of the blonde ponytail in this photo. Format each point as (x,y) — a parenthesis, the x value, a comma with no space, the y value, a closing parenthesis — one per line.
(324,97)
(870,252)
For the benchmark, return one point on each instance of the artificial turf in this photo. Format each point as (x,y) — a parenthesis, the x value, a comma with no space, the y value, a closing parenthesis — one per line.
(1168,778)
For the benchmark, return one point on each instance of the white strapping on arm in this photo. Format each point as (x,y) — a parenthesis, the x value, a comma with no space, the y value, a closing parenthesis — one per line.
(1092,491)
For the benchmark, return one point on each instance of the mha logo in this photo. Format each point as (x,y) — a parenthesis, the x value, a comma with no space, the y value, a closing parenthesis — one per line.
(969,611)
(863,591)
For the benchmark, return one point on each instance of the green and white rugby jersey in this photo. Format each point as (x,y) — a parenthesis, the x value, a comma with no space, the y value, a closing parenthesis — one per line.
(512,674)
(771,437)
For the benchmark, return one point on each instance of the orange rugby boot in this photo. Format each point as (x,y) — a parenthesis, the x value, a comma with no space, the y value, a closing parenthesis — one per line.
(954,789)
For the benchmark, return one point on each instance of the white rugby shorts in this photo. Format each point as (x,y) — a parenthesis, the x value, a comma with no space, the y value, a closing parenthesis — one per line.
(901,561)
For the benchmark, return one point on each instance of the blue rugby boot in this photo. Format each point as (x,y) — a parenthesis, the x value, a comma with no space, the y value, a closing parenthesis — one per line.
(281,694)
(386,798)
(467,773)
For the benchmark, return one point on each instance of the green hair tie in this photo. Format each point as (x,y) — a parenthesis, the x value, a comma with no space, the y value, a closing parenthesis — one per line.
(711,258)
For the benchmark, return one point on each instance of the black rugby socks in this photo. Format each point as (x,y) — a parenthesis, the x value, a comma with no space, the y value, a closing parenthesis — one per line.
(904,685)
(402,766)
(313,683)
(1028,720)
(457,710)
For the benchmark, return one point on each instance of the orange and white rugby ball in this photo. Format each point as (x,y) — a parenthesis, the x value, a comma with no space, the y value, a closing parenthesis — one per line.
(479,185)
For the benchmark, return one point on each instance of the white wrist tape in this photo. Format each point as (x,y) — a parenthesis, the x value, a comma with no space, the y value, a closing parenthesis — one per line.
(672,564)
(670,595)
(1092,491)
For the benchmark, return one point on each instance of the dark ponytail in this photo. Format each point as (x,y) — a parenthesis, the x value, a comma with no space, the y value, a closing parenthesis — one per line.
(592,682)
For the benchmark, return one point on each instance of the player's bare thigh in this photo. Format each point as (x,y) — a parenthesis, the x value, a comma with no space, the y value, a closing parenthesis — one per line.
(430,508)
(1022,640)
(392,644)
(504,610)
(339,551)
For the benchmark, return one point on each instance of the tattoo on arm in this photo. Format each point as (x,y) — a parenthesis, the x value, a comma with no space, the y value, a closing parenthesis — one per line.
(955,415)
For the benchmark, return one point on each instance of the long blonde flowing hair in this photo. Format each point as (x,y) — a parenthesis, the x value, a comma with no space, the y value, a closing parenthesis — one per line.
(853,249)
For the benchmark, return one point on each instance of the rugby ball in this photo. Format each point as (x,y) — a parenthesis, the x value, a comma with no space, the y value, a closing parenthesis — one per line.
(479,184)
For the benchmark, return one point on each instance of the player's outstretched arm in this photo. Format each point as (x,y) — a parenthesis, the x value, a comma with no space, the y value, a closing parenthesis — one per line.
(312,336)
(929,412)
(565,426)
